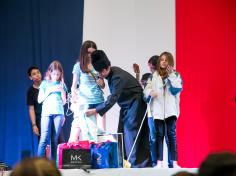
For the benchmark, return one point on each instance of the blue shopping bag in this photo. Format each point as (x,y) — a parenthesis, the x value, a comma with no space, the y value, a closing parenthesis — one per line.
(104,155)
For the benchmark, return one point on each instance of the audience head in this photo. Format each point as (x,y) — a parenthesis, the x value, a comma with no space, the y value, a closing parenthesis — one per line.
(218,164)
(35,167)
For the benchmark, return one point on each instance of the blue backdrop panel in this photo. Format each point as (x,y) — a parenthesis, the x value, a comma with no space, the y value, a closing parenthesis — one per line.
(32,32)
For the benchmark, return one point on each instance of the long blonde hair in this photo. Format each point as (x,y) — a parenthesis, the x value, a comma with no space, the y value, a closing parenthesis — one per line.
(162,72)
(83,58)
(55,65)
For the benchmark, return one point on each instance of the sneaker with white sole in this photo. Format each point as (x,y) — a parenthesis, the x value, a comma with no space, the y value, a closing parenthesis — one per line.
(175,165)
(159,165)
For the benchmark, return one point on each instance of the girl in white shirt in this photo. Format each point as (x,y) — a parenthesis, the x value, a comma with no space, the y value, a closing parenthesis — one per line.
(165,88)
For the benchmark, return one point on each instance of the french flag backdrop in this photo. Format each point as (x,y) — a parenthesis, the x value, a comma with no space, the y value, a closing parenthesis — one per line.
(36,32)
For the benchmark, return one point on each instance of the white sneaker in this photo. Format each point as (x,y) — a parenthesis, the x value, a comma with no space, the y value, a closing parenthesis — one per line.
(175,165)
(159,165)
(165,166)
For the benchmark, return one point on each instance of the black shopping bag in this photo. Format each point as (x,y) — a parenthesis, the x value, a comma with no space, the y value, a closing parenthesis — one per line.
(76,159)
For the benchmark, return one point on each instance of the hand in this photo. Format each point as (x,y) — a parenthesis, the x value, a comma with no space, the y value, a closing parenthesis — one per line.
(63,121)
(136,68)
(35,130)
(101,82)
(74,98)
(169,69)
(62,87)
(90,112)
(74,95)
(54,89)
(153,94)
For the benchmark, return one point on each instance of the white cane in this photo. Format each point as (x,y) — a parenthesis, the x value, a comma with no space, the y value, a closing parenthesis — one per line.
(127,164)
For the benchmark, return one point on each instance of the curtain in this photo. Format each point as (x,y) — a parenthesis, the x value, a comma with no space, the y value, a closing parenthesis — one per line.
(32,32)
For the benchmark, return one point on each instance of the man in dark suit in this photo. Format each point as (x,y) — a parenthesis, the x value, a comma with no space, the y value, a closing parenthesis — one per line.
(128,94)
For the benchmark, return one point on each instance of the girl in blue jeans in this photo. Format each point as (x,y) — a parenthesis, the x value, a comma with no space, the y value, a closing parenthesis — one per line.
(52,95)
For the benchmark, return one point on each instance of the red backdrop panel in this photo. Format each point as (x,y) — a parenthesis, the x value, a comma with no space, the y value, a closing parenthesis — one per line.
(206,59)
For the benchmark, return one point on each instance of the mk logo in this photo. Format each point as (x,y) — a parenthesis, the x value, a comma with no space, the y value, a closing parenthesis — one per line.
(75,157)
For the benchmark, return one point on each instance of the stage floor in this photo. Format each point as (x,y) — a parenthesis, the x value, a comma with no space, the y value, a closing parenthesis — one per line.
(122,172)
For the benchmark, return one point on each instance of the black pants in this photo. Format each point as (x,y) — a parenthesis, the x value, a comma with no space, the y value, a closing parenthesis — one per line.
(129,124)
(168,125)
(38,124)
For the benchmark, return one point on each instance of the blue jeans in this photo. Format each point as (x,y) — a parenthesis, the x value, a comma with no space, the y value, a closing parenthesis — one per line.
(170,161)
(153,143)
(50,129)
(152,140)
(167,127)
